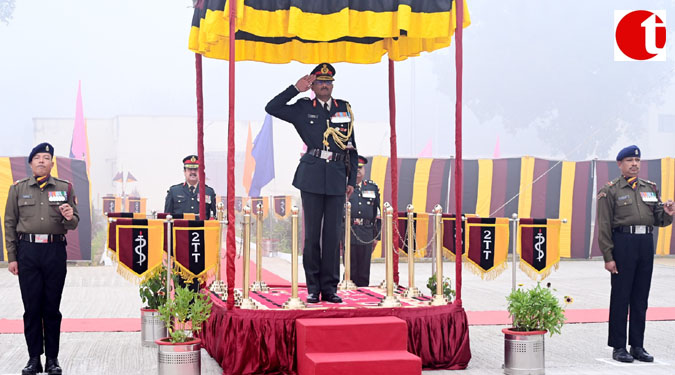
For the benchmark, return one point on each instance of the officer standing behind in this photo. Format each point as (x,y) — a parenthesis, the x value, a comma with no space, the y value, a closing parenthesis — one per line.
(628,209)
(327,171)
(365,230)
(40,210)
(183,198)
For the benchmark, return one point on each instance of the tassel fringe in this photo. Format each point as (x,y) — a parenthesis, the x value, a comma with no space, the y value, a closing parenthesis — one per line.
(492,274)
(190,277)
(535,275)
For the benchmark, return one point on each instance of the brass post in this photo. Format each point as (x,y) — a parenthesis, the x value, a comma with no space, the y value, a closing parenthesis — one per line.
(347,283)
(168,257)
(246,302)
(259,285)
(439,298)
(218,286)
(412,290)
(390,300)
(293,301)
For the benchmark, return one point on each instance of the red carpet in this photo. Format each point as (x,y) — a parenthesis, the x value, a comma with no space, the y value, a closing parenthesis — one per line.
(81,325)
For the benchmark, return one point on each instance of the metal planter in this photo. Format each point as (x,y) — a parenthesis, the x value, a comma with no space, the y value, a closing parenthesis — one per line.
(523,352)
(152,329)
(179,359)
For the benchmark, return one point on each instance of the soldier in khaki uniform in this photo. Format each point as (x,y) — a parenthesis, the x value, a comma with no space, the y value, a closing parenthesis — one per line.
(628,210)
(40,210)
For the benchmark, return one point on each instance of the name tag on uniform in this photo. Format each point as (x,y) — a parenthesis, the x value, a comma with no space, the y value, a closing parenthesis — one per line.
(368,194)
(340,118)
(648,196)
(310,115)
(57,196)
(623,197)
(26,196)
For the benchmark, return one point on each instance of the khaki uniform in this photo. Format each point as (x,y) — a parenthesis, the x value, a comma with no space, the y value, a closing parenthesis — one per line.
(32,211)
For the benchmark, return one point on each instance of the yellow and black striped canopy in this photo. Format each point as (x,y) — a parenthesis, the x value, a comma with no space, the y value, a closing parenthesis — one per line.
(311,31)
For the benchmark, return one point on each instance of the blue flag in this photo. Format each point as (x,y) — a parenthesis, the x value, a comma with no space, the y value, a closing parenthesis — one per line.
(263,153)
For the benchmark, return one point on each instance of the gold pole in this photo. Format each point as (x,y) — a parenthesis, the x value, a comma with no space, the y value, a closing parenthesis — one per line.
(259,285)
(218,286)
(347,283)
(439,298)
(294,302)
(246,302)
(412,290)
(390,300)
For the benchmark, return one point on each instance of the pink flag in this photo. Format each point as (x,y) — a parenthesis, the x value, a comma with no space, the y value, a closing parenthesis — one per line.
(496,154)
(426,152)
(78,145)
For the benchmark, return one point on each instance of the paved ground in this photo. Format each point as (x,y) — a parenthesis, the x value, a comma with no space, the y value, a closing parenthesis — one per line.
(97,292)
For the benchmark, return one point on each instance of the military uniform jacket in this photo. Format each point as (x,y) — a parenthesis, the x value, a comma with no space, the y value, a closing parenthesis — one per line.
(33,211)
(179,200)
(316,175)
(365,202)
(620,205)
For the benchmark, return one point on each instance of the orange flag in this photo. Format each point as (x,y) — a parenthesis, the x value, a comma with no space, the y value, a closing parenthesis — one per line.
(249,162)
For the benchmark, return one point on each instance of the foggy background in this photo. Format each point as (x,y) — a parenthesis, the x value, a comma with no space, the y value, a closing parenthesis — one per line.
(539,79)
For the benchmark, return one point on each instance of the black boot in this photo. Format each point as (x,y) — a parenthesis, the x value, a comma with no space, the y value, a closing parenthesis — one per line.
(52,366)
(621,355)
(33,366)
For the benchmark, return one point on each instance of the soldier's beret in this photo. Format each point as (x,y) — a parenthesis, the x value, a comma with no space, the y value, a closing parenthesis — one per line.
(191,161)
(42,147)
(362,161)
(630,151)
(324,72)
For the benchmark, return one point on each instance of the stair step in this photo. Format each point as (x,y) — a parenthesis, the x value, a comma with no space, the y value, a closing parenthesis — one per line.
(387,362)
(361,334)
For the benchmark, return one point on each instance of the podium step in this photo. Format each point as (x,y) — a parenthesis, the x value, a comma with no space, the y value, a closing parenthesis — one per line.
(389,362)
(332,335)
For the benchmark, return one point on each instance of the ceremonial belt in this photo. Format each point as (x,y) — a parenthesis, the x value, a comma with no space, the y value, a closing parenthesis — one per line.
(42,238)
(361,221)
(326,155)
(635,229)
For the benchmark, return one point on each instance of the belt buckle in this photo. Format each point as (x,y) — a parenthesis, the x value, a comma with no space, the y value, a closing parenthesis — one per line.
(41,238)
(326,154)
(640,229)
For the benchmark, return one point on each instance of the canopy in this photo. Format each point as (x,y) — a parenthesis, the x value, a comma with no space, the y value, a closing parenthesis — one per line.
(312,32)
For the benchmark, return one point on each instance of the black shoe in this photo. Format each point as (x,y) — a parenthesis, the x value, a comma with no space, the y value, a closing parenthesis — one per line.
(332,298)
(641,354)
(621,355)
(33,366)
(52,366)
(312,298)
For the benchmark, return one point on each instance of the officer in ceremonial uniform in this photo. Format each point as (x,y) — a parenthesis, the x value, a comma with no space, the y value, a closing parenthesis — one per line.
(184,197)
(327,171)
(40,210)
(366,224)
(628,210)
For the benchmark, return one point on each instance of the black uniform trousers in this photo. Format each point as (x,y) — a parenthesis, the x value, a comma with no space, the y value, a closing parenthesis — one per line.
(634,257)
(42,274)
(360,263)
(321,255)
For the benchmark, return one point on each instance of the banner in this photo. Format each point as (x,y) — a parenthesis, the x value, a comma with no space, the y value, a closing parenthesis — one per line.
(195,248)
(112,229)
(139,247)
(449,235)
(265,206)
(487,242)
(539,246)
(163,215)
(282,206)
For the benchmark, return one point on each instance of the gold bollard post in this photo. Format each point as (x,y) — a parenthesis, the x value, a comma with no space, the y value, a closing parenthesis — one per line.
(259,285)
(218,286)
(246,302)
(347,283)
(439,298)
(390,300)
(293,302)
(412,290)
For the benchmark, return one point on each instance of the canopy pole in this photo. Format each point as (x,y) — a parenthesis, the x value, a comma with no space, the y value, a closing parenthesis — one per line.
(393,162)
(200,136)
(458,149)
(231,241)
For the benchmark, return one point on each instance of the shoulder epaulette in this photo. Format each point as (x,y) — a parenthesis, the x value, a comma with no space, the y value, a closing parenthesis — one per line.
(21,180)
(305,98)
(372,182)
(62,180)
(614,181)
(176,185)
(649,182)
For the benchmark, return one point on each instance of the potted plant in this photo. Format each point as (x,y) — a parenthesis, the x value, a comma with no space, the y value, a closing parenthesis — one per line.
(448,292)
(535,312)
(153,294)
(184,315)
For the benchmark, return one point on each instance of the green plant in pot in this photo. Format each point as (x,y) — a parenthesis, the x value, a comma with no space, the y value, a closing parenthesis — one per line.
(185,314)
(536,309)
(448,292)
(153,289)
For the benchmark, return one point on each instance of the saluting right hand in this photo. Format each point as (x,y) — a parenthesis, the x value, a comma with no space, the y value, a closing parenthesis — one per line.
(304,83)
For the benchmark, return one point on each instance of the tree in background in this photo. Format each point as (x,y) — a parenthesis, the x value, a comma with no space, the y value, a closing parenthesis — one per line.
(6,10)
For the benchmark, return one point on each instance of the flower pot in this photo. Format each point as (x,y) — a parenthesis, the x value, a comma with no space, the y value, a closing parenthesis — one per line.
(179,359)
(523,352)
(152,328)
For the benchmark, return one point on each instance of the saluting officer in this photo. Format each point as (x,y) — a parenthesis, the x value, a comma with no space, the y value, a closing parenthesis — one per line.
(327,171)
(184,197)
(628,209)
(40,210)
(366,224)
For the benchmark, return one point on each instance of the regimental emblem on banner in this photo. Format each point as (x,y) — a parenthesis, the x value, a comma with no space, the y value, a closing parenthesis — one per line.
(282,206)
(195,248)
(264,201)
(539,246)
(139,247)
(487,241)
